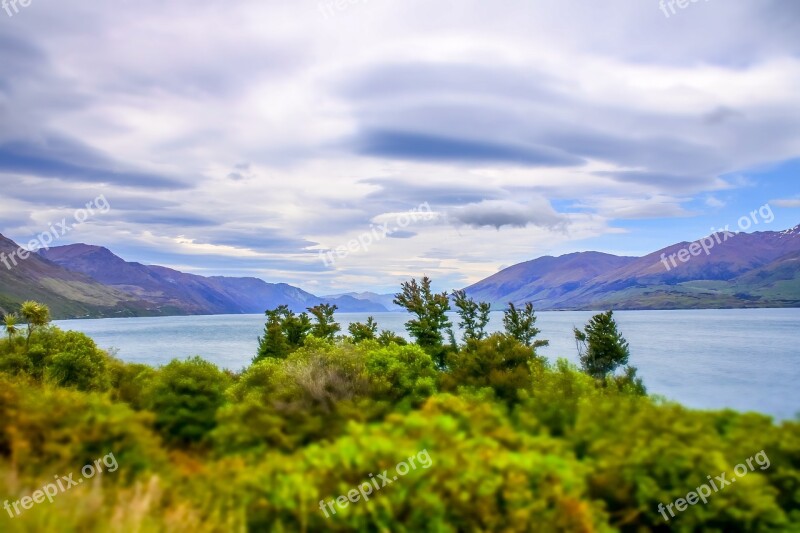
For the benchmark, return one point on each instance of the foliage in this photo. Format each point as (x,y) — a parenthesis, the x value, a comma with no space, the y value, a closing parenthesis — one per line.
(514,442)
(363,331)
(34,314)
(10,323)
(431,322)
(325,327)
(79,363)
(185,396)
(601,347)
(500,362)
(388,337)
(285,332)
(521,324)
(474,316)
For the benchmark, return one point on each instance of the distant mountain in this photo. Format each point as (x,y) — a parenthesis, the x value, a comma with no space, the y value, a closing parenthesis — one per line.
(68,294)
(385,300)
(746,270)
(546,280)
(175,292)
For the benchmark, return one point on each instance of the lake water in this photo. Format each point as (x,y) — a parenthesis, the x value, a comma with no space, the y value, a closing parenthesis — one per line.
(745,359)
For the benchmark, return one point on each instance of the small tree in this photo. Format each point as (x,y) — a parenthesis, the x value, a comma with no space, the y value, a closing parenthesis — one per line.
(185,397)
(388,337)
(78,363)
(474,316)
(601,347)
(10,323)
(36,315)
(363,332)
(284,332)
(431,320)
(521,324)
(273,344)
(326,326)
(498,361)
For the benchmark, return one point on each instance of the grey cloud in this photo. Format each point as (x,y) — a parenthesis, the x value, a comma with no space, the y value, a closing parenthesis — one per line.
(61,158)
(499,213)
(426,147)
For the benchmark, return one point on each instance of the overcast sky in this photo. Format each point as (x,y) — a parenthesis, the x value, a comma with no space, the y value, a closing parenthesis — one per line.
(243,138)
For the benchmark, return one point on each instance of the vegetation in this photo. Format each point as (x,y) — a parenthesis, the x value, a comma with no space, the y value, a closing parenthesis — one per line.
(517,443)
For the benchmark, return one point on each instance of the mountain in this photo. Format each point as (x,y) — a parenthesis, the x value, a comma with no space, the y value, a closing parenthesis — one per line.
(740,270)
(68,294)
(174,292)
(547,279)
(385,300)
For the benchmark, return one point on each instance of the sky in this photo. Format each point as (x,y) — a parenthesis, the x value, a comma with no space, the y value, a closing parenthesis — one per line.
(351,145)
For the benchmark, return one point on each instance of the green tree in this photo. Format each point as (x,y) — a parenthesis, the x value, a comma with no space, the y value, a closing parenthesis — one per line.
(430,309)
(363,332)
(273,344)
(296,327)
(185,397)
(498,361)
(79,363)
(601,347)
(36,315)
(474,316)
(325,326)
(284,333)
(521,324)
(388,337)
(10,323)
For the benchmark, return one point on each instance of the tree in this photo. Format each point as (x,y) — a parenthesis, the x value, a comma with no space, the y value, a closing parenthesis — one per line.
(296,327)
(363,332)
(10,323)
(431,311)
(388,337)
(284,332)
(326,326)
(521,324)
(474,316)
(601,347)
(273,344)
(185,397)
(36,315)
(78,363)
(498,361)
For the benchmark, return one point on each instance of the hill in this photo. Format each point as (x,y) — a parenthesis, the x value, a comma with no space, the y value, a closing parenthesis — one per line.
(180,293)
(745,270)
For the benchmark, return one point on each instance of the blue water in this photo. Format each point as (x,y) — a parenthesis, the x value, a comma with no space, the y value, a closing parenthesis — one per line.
(745,359)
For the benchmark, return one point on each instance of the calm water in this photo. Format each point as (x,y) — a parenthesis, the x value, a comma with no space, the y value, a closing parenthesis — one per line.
(746,359)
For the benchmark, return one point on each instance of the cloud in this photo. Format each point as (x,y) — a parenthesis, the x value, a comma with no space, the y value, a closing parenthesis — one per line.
(499,213)
(787,202)
(530,118)
(61,158)
(425,147)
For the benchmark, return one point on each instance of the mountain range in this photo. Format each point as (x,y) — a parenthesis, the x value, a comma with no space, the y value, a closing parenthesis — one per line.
(80,280)
(740,270)
(759,269)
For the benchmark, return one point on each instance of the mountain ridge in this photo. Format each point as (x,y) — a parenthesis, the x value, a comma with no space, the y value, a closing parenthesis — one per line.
(717,279)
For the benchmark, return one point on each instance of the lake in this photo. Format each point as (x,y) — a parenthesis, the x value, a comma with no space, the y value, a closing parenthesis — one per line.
(745,359)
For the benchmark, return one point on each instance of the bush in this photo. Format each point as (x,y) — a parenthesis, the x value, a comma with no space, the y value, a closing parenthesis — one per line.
(185,397)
